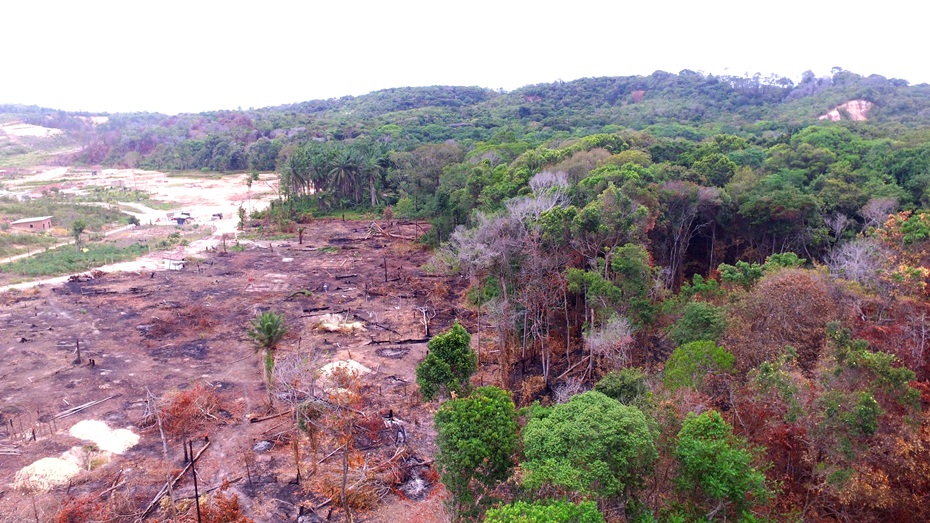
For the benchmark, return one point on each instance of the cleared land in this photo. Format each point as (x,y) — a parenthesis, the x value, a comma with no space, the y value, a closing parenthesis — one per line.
(164,331)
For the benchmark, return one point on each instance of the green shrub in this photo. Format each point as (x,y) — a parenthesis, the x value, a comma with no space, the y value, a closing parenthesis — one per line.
(689,363)
(591,445)
(700,322)
(545,512)
(628,386)
(449,363)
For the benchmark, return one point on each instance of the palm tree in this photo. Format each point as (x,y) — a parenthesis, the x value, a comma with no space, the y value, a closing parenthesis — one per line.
(344,172)
(266,331)
(377,161)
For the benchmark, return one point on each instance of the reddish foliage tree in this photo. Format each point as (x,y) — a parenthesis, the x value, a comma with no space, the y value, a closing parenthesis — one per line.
(786,308)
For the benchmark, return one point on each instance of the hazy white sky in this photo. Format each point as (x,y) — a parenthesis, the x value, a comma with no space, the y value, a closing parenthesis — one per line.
(195,55)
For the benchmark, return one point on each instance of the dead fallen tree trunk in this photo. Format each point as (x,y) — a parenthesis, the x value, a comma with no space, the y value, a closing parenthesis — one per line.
(79,408)
(399,342)
(170,484)
(378,228)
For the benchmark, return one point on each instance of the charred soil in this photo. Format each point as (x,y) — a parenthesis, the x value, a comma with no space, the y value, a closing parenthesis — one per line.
(155,335)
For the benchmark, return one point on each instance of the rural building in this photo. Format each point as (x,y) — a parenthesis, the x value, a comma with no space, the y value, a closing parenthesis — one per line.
(180,217)
(173,264)
(41,223)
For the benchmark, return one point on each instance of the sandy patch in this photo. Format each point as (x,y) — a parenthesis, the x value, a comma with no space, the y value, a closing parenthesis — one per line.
(25,130)
(338,323)
(47,473)
(351,367)
(855,110)
(116,441)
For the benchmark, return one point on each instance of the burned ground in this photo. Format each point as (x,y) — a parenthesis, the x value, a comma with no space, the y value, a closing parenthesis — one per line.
(174,330)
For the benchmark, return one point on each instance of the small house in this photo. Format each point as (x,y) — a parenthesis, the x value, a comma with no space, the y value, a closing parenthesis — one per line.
(174,264)
(40,223)
(180,218)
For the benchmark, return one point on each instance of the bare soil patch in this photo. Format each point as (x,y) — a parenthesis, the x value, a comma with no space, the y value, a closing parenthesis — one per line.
(172,330)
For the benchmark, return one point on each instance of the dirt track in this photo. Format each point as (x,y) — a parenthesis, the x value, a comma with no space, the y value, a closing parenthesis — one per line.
(174,329)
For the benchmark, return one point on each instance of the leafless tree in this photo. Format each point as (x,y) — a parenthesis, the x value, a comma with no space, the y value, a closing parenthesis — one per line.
(295,375)
(688,209)
(876,210)
(837,222)
(564,391)
(860,260)
(920,332)
(611,342)
(549,182)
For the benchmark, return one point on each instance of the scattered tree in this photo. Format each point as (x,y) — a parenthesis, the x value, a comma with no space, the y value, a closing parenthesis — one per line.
(593,446)
(77,228)
(477,439)
(715,469)
(449,363)
(266,331)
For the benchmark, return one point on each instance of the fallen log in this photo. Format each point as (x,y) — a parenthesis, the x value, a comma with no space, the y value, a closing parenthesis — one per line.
(171,484)
(79,408)
(391,235)
(399,342)
(316,309)
(265,418)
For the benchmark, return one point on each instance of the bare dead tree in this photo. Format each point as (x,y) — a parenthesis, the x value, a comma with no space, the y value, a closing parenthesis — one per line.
(564,391)
(861,260)
(611,343)
(837,222)
(689,208)
(428,314)
(548,182)
(295,376)
(920,332)
(876,210)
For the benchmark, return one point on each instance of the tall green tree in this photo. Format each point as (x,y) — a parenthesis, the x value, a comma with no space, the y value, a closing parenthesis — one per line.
(477,439)
(593,446)
(449,363)
(716,472)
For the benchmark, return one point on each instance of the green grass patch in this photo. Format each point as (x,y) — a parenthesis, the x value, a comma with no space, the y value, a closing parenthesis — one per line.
(63,211)
(266,235)
(12,244)
(29,159)
(109,194)
(69,259)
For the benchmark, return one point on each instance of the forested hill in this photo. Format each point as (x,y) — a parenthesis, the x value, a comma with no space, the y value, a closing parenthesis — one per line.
(738,266)
(688,105)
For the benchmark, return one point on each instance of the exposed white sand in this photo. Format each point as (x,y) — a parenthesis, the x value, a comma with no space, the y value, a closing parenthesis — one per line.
(116,441)
(352,367)
(337,323)
(47,473)
(20,129)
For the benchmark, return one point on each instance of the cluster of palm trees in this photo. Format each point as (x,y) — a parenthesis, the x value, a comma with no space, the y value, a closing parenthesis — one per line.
(335,172)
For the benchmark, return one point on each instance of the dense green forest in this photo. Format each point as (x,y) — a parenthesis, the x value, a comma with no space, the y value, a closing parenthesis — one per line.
(707,303)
